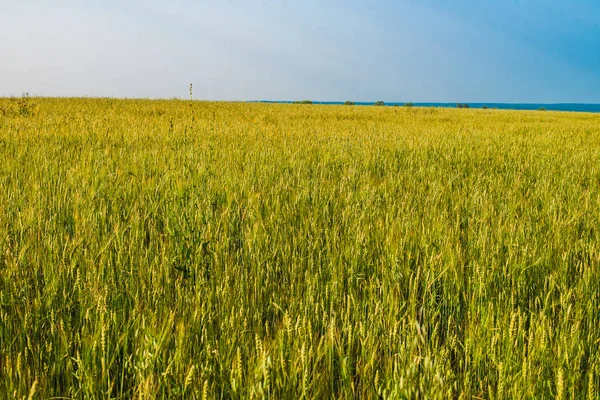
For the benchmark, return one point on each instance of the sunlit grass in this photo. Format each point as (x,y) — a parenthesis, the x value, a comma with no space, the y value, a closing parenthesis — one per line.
(160,249)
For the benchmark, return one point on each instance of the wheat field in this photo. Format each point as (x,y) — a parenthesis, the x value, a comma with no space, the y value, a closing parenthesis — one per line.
(178,249)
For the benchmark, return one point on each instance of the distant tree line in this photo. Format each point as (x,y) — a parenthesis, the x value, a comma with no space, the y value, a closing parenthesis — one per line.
(25,109)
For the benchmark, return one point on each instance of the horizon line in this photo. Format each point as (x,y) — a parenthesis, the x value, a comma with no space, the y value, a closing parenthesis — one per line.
(358,102)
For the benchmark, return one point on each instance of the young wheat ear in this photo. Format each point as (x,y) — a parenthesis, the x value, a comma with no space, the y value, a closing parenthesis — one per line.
(32,390)
(191,93)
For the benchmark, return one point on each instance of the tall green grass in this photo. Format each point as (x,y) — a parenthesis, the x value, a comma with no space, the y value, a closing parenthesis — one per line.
(165,249)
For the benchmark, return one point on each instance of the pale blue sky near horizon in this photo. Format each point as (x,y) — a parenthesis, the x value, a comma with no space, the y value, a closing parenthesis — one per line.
(513,51)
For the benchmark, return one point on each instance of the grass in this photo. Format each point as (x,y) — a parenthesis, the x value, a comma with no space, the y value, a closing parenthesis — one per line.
(165,249)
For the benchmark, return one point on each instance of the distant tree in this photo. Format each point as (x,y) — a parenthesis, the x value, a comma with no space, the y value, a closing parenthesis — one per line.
(485,107)
(379,103)
(462,105)
(542,109)
(303,102)
(409,104)
(349,103)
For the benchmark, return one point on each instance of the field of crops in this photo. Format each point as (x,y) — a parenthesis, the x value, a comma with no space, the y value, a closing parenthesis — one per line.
(161,249)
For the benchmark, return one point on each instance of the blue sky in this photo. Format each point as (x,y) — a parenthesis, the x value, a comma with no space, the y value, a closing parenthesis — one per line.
(404,50)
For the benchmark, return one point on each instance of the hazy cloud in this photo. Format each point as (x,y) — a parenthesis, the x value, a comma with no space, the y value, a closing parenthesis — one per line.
(329,50)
